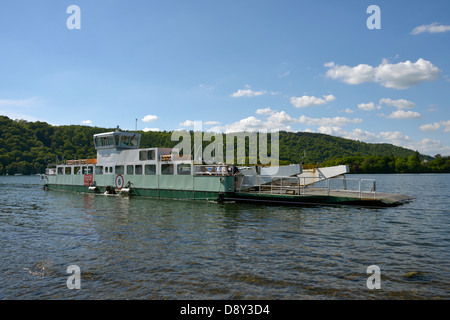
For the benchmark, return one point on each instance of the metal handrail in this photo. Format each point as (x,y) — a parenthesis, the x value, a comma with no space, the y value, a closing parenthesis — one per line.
(279,183)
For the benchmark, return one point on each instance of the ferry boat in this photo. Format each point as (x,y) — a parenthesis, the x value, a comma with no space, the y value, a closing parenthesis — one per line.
(123,168)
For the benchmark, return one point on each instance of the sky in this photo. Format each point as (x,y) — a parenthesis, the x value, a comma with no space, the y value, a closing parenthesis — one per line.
(374,74)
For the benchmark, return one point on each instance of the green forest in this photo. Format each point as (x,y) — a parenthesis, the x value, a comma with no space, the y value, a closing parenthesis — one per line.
(29,147)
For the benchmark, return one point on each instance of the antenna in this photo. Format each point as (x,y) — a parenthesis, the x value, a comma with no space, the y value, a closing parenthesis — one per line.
(136,124)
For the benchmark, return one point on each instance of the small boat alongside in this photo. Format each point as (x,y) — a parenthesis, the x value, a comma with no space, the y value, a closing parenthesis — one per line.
(123,168)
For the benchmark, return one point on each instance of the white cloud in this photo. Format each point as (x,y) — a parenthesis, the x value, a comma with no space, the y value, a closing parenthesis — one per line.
(352,75)
(400,103)
(306,101)
(401,75)
(150,118)
(430,28)
(436,126)
(425,146)
(430,147)
(348,110)
(86,122)
(265,111)
(366,106)
(446,125)
(400,114)
(211,123)
(187,123)
(150,129)
(327,122)
(430,127)
(247,93)
(247,124)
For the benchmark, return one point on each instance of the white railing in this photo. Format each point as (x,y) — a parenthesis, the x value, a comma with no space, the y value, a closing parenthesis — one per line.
(301,185)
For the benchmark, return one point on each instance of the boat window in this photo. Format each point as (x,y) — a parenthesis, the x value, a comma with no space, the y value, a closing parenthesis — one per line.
(119,170)
(110,141)
(99,170)
(147,155)
(134,142)
(90,170)
(68,170)
(167,169)
(130,169)
(60,170)
(117,140)
(124,141)
(84,170)
(138,169)
(76,170)
(184,169)
(150,169)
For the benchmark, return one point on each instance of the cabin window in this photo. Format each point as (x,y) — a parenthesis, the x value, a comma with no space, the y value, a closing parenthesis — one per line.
(84,170)
(130,169)
(167,169)
(119,170)
(117,140)
(68,170)
(60,170)
(134,142)
(99,170)
(184,169)
(150,169)
(90,170)
(76,170)
(138,169)
(124,141)
(147,155)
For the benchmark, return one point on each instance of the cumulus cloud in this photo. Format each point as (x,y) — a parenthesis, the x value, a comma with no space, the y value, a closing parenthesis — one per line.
(436,126)
(327,122)
(187,123)
(399,103)
(306,101)
(401,114)
(86,122)
(150,129)
(401,75)
(366,106)
(150,118)
(430,127)
(247,92)
(265,111)
(425,146)
(430,28)
(281,121)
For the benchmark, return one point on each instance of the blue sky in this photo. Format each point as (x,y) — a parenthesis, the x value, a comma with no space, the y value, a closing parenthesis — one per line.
(234,65)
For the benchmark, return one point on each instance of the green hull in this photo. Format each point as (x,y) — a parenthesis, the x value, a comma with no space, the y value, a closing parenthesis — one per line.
(209,188)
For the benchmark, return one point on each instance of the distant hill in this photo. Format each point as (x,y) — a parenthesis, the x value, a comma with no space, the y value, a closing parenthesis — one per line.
(28,147)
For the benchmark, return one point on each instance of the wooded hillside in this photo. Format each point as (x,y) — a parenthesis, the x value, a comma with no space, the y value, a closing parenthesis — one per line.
(28,147)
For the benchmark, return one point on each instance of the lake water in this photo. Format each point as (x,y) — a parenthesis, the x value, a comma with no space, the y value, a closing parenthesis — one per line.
(139,248)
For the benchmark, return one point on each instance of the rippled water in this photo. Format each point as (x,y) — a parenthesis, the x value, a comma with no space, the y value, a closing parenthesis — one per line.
(139,248)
